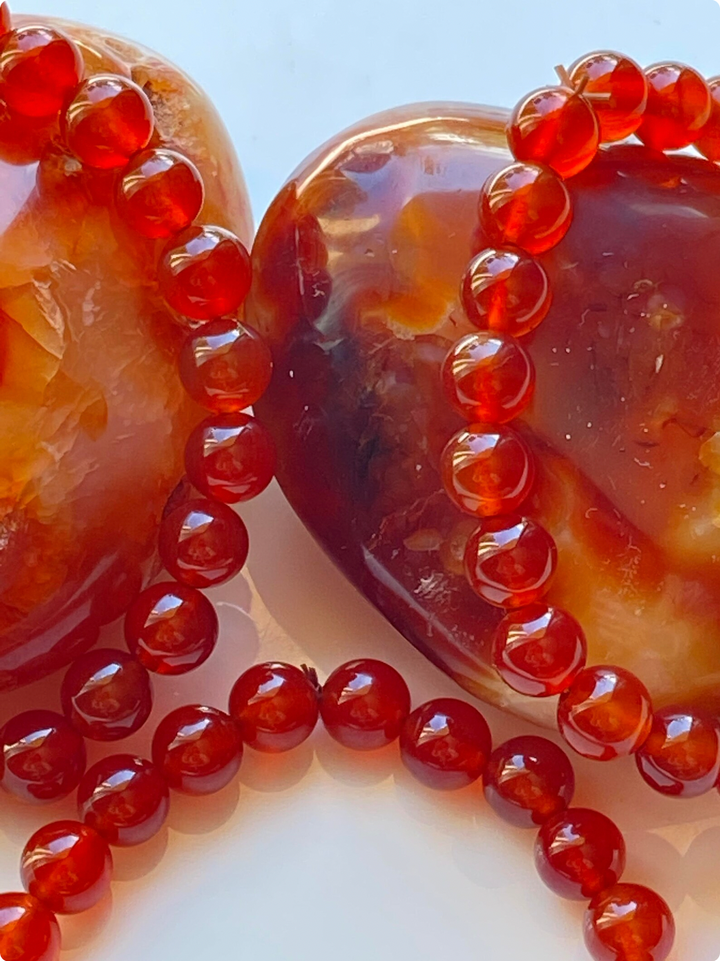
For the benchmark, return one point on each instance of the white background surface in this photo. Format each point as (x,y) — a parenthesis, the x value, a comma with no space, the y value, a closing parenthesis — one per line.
(322,855)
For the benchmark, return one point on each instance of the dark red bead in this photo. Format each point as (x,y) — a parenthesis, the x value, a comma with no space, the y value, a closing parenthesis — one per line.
(230,457)
(108,121)
(275,706)
(124,798)
(629,922)
(579,853)
(445,743)
(203,542)
(28,930)
(528,780)
(197,749)
(67,865)
(364,704)
(106,695)
(681,756)
(171,628)
(43,756)
(160,193)
(39,70)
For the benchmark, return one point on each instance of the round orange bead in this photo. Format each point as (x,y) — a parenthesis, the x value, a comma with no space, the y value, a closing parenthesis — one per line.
(556,127)
(681,757)
(605,714)
(39,69)
(28,930)
(708,141)
(678,107)
(618,90)
(160,194)
(109,120)
(510,561)
(526,205)
(487,470)
(629,922)
(505,290)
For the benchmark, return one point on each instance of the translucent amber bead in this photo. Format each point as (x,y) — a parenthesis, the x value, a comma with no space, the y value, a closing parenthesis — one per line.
(620,88)
(505,290)
(28,930)
(681,756)
(555,127)
(39,69)
(197,749)
(202,543)
(510,561)
(708,141)
(160,193)
(629,922)
(108,121)
(364,704)
(579,853)
(489,377)
(106,695)
(43,757)
(275,706)
(605,714)
(678,107)
(230,457)
(487,470)
(527,205)
(124,798)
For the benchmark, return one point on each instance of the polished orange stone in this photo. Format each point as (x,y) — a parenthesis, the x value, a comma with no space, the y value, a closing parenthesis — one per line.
(629,922)
(160,193)
(506,290)
(488,377)
(681,756)
(678,106)
(526,204)
(109,120)
(618,90)
(28,930)
(555,127)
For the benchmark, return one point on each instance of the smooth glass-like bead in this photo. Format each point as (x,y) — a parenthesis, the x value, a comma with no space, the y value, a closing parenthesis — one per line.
(618,89)
(606,713)
(526,205)
(539,650)
(364,704)
(510,561)
(579,853)
(678,107)
(39,69)
(555,127)
(197,749)
(681,756)
(160,193)
(230,457)
(67,865)
(124,798)
(528,780)
(489,377)
(203,542)
(275,706)
(171,628)
(109,120)
(445,743)
(28,930)
(708,140)
(106,695)
(506,291)
(205,273)
(225,366)
(629,922)
(42,756)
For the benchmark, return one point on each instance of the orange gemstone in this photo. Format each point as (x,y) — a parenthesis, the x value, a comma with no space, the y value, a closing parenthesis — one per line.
(489,377)
(39,69)
(527,205)
(629,922)
(605,714)
(678,107)
(505,290)
(28,931)
(708,141)
(160,194)
(620,88)
(556,127)
(681,757)
(487,470)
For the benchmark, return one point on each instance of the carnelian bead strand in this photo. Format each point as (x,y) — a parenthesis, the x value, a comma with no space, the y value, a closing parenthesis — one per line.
(445,743)
(42,757)
(619,91)
(506,291)
(579,853)
(28,930)
(364,704)
(629,922)
(197,749)
(230,457)
(160,193)
(203,542)
(681,756)
(275,706)
(678,107)
(124,798)
(39,70)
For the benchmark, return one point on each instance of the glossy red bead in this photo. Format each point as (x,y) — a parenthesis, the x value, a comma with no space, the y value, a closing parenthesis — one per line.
(39,70)
(197,749)
(160,193)
(505,291)
(28,930)
(364,704)
(275,706)
(124,798)
(617,88)
(109,120)
(445,743)
(225,366)
(67,865)
(510,561)
(555,127)
(539,650)
(43,757)
(171,628)
(106,695)
(528,780)
(203,542)
(678,106)
(629,922)
(230,457)
(579,853)
(205,273)
(526,205)
(681,756)
(605,714)
(708,140)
